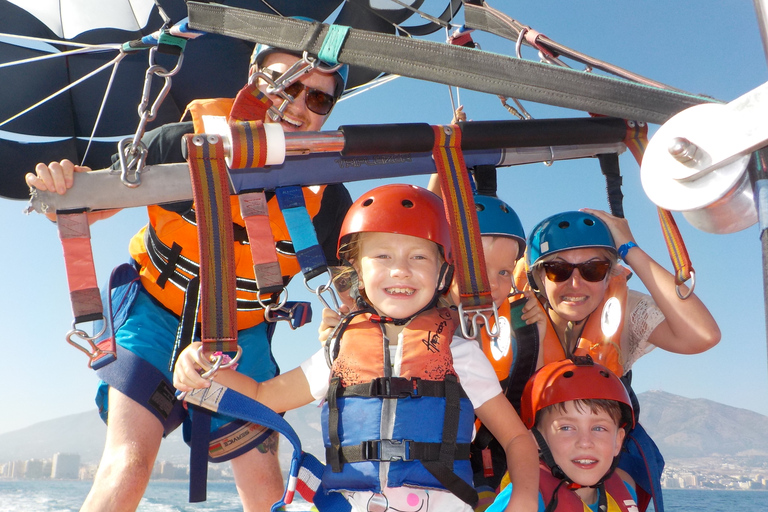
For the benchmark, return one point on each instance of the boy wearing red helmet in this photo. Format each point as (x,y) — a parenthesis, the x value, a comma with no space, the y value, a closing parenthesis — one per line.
(579,412)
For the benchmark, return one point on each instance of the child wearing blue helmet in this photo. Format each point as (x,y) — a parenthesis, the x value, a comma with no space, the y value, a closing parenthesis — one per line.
(572,263)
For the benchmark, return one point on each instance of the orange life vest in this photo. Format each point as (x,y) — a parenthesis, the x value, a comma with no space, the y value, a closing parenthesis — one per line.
(426,348)
(170,228)
(601,336)
(618,497)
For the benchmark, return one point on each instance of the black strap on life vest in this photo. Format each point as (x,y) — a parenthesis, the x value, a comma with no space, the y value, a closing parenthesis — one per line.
(437,458)
(397,387)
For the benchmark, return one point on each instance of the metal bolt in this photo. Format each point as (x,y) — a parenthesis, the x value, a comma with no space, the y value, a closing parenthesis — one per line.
(683,150)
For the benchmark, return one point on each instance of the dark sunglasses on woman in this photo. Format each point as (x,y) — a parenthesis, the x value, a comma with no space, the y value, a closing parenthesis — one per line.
(317,101)
(592,271)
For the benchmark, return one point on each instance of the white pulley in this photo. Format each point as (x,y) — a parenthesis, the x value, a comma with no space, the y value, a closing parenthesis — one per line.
(688,166)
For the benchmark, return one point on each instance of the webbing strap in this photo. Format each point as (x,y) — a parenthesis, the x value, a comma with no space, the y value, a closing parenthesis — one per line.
(255,212)
(637,141)
(210,186)
(302,231)
(250,104)
(332,44)
(474,288)
(249,145)
(75,235)
(227,401)
(452,65)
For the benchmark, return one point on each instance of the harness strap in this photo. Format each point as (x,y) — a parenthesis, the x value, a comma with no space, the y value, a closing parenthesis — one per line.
(302,231)
(75,235)
(255,212)
(210,185)
(84,294)
(333,453)
(474,289)
(220,399)
(637,140)
(198,454)
(187,322)
(526,355)
(452,65)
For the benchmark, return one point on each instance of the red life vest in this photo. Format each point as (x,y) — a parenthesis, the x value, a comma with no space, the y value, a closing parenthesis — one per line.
(618,496)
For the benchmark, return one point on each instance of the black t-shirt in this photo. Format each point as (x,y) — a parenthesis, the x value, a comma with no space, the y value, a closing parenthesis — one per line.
(164,145)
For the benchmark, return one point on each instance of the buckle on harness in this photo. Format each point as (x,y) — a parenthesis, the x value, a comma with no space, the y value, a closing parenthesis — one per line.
(394,387)
(387,450)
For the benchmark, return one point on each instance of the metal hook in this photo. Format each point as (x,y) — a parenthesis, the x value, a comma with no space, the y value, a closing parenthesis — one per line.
(690,289)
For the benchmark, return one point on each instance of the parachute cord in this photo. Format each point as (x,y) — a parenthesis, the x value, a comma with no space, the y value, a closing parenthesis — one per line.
(371,85)
(270,6)
(64,89)
(82,49)
(117,61)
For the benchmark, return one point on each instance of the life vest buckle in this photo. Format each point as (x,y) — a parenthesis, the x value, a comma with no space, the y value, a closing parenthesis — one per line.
(387,450)
(394,387)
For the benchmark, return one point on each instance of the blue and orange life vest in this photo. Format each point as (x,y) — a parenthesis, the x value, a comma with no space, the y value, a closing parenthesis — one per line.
(411,429)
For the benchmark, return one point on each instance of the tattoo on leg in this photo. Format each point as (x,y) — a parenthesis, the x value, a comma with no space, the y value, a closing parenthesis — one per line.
(270,444)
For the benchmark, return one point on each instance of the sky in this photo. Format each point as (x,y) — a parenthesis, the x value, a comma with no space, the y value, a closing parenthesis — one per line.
(711,47)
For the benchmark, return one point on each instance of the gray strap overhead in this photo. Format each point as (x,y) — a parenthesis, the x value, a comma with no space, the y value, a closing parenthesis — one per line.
(452,65)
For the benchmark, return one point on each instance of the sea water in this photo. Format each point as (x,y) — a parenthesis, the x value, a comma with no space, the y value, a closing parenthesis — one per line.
(171,496)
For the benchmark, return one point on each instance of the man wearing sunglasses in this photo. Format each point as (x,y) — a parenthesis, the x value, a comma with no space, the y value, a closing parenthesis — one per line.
(572,265)
(303,91)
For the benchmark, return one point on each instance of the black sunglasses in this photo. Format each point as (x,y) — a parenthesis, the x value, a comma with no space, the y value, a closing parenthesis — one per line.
(592,271)
(317,101)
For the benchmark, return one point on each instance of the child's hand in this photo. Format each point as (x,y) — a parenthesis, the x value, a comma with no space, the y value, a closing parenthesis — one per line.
(189,366)
(56,177)
(533,313)
(329,322)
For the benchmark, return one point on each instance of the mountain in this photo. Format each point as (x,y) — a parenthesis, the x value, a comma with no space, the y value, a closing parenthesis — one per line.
(690,428)
(682,428)
(84,433)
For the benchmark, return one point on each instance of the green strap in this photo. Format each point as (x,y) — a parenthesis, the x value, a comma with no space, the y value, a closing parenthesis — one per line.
(332,44)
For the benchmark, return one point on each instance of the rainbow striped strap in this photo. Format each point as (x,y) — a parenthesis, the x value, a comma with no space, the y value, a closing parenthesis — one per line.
(302,231)
(469,260)
(249,144)
(210,190)
(250,104)
(637,140)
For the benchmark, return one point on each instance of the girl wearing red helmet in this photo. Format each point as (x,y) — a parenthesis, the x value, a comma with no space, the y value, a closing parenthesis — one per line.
(579,412)
(400,389)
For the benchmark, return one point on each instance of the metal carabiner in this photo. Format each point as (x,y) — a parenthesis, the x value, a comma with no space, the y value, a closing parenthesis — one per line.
(327,287)
(690,289)
(217,363)
(95,350)
(289,314)
(470,331)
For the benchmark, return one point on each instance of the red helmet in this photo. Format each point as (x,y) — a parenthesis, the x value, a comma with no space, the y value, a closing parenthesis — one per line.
(399,209)
(577,379)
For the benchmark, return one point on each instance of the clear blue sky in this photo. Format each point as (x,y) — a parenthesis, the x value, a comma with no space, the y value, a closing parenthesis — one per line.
(703,46)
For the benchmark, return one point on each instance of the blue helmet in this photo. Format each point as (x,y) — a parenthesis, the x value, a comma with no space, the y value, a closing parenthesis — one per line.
(567,230)
(497,218)
(260,52)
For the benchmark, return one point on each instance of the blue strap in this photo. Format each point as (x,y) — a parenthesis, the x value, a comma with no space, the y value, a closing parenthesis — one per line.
(198,454)
(221,399)
(302,232)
